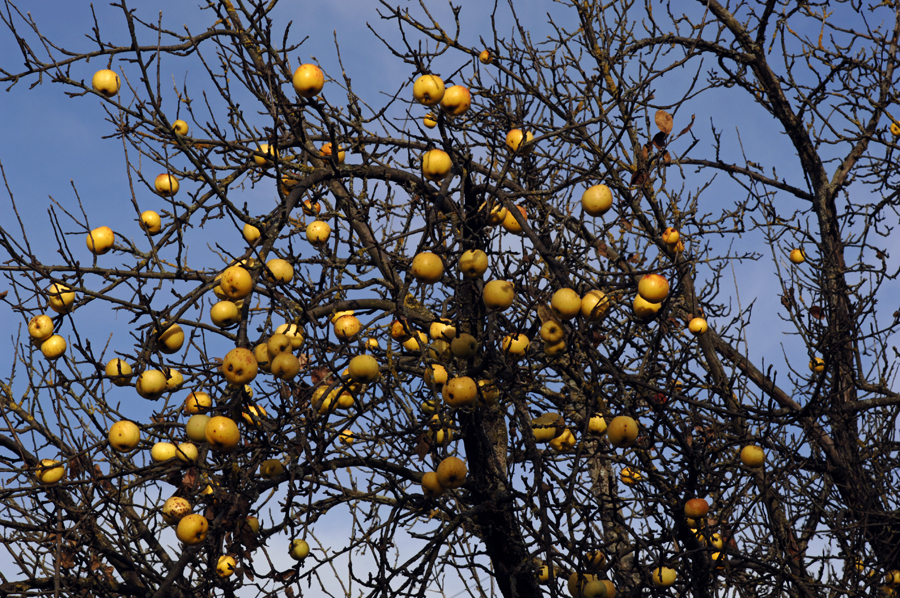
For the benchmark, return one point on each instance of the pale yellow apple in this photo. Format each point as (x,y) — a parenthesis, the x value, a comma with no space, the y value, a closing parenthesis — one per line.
(399,330)
(253,522)
(119,371)
(100,240)
(197,402)
(515,344)
(171,340)
(428,90)
(53,347)
(266,150)
(442,330)
(663,577)
(106,82)
(698,326)
(279,271)
(519,142)
(222,433)
(124,436)
(797,256)
(60,298)
(451,473)
(364,369)
(225,314)
(327,151)
(554,349)
(597,200)
(317,233)
(645,310)
(50,471)
(225,566)
(253,414)
(166,185)
(236,282)
(180,127)
(187,452)
(151,384)
(40,327)
(430,485)
(816,364)
(151,222)
(597,425)
(566,304)
(594,305)
(293,332)
(498,294)
(456,100)
(308,80)
(577,582)
(192,529)
(163,451)
(278,343)
(622,431)
(473,263)
(174,379)
(510,223)
(285,366)
(239,366)
(497,215)
(427,267)
(671,236)
(430,121)
(250,233)
(629,477)
(436,374)
(299,549)
(347,327)
(564,442)
(175,509)
(653,288)
(311,208)
(436,165)
(195,428)
(416,342)
(753,456)
(460,392)
(552,331)
(271,468)
(346,437)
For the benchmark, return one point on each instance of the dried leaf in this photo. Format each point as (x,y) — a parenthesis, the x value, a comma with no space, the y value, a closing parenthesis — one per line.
(659,140)
(666,158)
(66,558)
(687,128)
(626,224)
(635,258)
(422,447)
(189,478)
(601,249)
(597,337)
(289,592)
(303,358)
(319,374)
(285,575)
(544,314)
(639,178)
(664,121)
(816,312)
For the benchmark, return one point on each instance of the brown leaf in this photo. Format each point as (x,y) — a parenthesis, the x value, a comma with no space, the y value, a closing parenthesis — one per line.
(597,337)
(189,478)
(635,258)
(303,358)
(816,312)
(601,249)
(319,374)
(626,224)
(289,592)
(544,314)
(422,447)
(659,140)
(787,302)
(4,294)
(639,178)
(666,158)
(66,558)
(687,128)
(285,575)
(664,121)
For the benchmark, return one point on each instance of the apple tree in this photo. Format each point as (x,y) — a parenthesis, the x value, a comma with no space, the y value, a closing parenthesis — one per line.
(529,323)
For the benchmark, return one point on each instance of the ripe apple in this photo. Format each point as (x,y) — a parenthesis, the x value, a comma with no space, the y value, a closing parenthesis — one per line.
(515,344)
(250,233)
(106,82)
(175,509)
(622,431)
(577,583)
(364,369)
(554,349)
(436,374)
(253,523)
(594,305)
(817,364)
(285,366)
(594,588)
(166,185)
(436,165)
(40,327)
(547,426)
(498,294)
(266,150)
(271,468)
(308,80)
(895,129)
(311,208)
(293,332)
(456,100)
(416,342)
(124,436)
(442,330)
(236,282)
(440,435)
(671,236)
(597,425)
(630,477)
(222,433)
(50,471)
(225,314)
(427,267)
(545,574)
(552,331)
(299,549)
(151,222)
(473,263)
(195,428)
(399,330)
(253,414)
(53,347)
(174,379)
(171,340)
(696,508)
(60,298)
(464,346)
(119,371)
(197,402)
(564,442)
(225,566)
(187,452)
(597,200)
(278,343)
(180,127)
(485,57)
(317,233)
(451,473)
(512,225)
(163,451)
(488,392)
(151,384)
(192,529)
(430,485)
(430,121)
(460,392)
(519,142)
(428,90)
(653,288)
(698,326)
(279,271)
(798,256)
(327,151)
(100,240)
(346,437)
(645,310)
(239,366)
(497,215)
(372,343)
(663,577)
(753,456)
(347,327)
(566,304)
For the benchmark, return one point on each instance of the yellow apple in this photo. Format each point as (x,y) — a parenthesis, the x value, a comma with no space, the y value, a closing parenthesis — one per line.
(597,425)
(895,129)
(253,414)
(180,127)
(266,150)
(166,185)
(225,314)
(187,452)
(515,344)
(364,369)
(451,473)
(311,208)
(456,100)
(753,456)
(225,566)
(236,282)
(119,371)
(253,522)
(416,342)
(564,442)
(645,310)
(317,233)
(566,304)
(175,509)
(197,402)
(195,428)
(430,121)
(171,340)
(250,233)
(428,90)
(60,298)
(488,392)
(285,366)
(622,431)
(597,200)
(547,426)
(50,471)
(280,271)
(442,330)
(278,343)
(163,451)
(485,57)
(595,559)
(653,288)
(347,327)
(40,327)
(554,349)
(460,392)
(346,437)
(510,223)
(427,267)
(696,508)
(53,347)
(100,240)
(464,346)
(124,436)
(519,142)
(372,343)
(271,468)
(151,222)
(663,577)
(327,151)
(698,326)
(299,549)
(671,236)
(239,366)
(473,263)
(817,364)
(430,485)
(293,332)
(399,330)
(552,331)
(308,80)
(436,374)
(436,165)
(439,434)
(498,294)
(222,433)
(629,477)
(192,529)
(578,582)
(106,82)
(797,256)
(151,384)
(498,215)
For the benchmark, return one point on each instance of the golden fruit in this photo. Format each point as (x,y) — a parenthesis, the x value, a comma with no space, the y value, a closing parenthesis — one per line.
(171,340)
(317,233)
(436,165)
(753,456)
(293,332)
(698,326)
(236,282)
(266,150)
(100,240)
(427,268)
(817,364)
(473,263)
(622,431)
(364,369)
(285,366)
(653,288)
(327,151)
(299,550)
(797,256)
(197,402)
(271,468)
(60,298)
(451,473)
(175,509)
(151,384)
(279,271)
(250,233)
(515,344)
(485,57)
(239,366)
(124,436)
(192,529)
(428,90)
(430,485)
(40,327)
(645,310)
(222,433)
(663,577)
(597,200)
(225,566)
(630,477)
(464,346)
(53,347)
(460,392)
(187,452)
(347,327)
(225,314)
(519,142)
(552,331)
(456,100)
(498,294)
(566,303)
(597,425)
(166,185)
(180,127)
(151,222)
(510,223)
(106,82)
(163,451)
(308,80)
(50,471)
